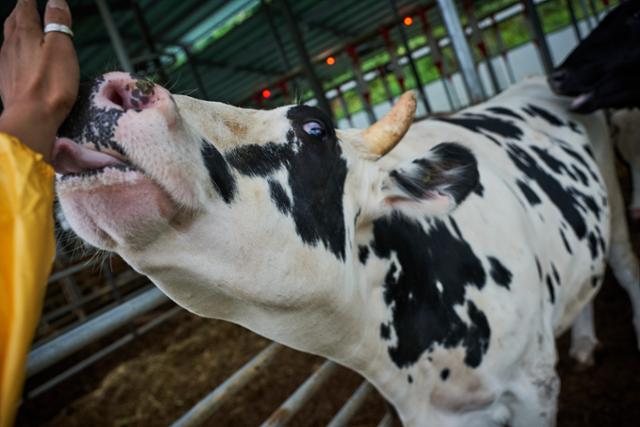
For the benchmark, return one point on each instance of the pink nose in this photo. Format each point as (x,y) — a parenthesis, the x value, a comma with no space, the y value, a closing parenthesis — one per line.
(128,93)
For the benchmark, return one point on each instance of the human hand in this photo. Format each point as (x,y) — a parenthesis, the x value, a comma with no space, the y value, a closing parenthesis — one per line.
(39,74)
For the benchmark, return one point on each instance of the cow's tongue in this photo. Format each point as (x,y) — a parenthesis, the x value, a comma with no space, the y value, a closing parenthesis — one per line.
(69,157)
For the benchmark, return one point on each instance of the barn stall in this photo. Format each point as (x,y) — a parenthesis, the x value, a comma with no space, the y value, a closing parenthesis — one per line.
(112,350)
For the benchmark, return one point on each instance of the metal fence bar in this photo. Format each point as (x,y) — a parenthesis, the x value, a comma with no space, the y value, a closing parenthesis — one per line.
(352,405)
(102,353)
(461,49)
(67,272)
(73,340)
(539,37)
(204,409)
(114,35)
(386,421)
(289,408)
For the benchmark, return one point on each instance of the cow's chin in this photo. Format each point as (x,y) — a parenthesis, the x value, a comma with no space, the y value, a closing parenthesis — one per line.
(116,209)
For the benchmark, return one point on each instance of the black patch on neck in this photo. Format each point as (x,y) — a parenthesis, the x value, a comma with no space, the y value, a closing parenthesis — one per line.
(219,171)
(480,123)
(422,315)
(500,274)
(317,173)
(534,111)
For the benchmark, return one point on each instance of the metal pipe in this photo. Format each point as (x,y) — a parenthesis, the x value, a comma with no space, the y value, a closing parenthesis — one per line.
(412,64)
(594,11)
(585,12)
(67,272)
(538,34)
(57,349)
(102,353)
(476,35)
(121,280)
(503,50)
(462,51)
(385,84)
(114,35)
(279,44)
(439,61)
(148,39)
(299,397)
(344,105)
(194,70)
(204,409)
(352,405)
(296,38)
(574,20)
(361,85)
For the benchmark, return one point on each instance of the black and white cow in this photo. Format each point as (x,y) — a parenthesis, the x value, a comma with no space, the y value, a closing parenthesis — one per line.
(441,271)
(602,71)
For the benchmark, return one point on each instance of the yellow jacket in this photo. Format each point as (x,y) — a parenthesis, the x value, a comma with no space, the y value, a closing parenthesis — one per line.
(27,248)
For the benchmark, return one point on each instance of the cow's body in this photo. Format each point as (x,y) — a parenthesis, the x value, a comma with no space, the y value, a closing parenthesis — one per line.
(442,272)
(626,136)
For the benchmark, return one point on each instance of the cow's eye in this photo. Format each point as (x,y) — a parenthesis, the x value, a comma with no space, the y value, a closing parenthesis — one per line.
(314,128)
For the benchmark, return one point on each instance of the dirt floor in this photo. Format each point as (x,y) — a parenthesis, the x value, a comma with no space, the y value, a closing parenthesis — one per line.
(153,381)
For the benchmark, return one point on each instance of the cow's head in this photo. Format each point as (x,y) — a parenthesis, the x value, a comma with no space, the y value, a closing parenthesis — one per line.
(602,72)
(230,209)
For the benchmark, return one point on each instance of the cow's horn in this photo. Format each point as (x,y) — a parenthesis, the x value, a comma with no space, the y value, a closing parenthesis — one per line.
(384,134)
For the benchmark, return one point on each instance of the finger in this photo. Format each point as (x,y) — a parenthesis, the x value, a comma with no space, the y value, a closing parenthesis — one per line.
(10,23)
(57,12)
(27,17)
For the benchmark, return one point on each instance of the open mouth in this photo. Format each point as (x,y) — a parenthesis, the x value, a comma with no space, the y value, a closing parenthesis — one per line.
(74,160)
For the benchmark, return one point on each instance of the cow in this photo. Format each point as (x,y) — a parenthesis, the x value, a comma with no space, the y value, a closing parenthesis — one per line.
(439,260)
(602,72)
(625,133)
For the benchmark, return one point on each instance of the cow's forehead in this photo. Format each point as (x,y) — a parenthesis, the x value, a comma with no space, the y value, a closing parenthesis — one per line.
(228,126)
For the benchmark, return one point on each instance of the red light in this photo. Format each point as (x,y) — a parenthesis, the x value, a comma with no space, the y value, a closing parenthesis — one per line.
(407,21)
(266,93)
(330,60)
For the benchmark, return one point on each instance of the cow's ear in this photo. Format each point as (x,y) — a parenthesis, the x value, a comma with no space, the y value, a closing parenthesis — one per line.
(434,184)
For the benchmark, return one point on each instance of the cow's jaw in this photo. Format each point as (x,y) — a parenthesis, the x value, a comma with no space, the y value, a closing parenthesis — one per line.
(125,176)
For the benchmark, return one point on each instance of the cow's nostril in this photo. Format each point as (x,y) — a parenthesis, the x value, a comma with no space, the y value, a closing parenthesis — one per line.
(115,98)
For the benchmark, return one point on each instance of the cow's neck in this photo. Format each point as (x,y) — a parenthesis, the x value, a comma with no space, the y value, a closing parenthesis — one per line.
(340,321)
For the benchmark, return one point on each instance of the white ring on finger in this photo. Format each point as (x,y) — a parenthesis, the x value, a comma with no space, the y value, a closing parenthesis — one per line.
(58,28)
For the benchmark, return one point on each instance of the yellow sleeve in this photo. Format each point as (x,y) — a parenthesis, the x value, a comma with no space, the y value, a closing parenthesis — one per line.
(27,248)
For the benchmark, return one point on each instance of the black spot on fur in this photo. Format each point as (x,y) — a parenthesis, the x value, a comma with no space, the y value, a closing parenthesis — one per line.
(499,272)
(566,242)
(444,374)
(219,171)
(410,379)
(385,332)
(480,123)
(530,195)
(88,124)
(505,112)
(566,202)
(422,315)
(363,254)
(279,196)
(534,111)
(317,173)
(552,292)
